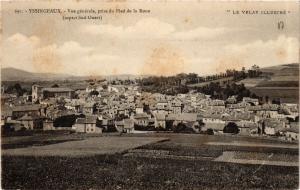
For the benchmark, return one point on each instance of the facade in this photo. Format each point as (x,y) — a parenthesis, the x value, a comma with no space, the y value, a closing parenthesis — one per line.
(87,125)
(40,93)
(57,92)
(30,110)
(160,120)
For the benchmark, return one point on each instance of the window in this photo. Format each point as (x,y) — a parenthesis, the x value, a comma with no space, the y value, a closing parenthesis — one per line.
(92,129)
(87,129)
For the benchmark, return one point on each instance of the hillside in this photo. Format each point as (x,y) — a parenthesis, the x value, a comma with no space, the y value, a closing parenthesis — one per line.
(277,82)
(276,76)
(13,74)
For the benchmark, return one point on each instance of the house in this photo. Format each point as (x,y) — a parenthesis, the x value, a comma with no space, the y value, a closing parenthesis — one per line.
(128,125)
(292,133)
(31,110)
(188,119)
(31,122)
(13,125)
(130,98)
(270,126)
(141,119)
(231,100)
(58,92)
(125,126)
(48,125)
(176,106)
(252,101)
(6,113)
(88,108)
(247,128)
(39,93)
(75,106)
(139,109)
(160,120)
(213,121)
(87,125)
(162,105)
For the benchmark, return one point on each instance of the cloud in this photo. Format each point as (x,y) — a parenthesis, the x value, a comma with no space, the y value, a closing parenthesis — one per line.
(200,33)
(71,57)
(18,51)
(152,28)
(28,53)
(144,28)
(282,50)
(22,40)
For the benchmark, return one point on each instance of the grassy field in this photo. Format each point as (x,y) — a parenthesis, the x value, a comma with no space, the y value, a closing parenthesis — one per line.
(86,147)
(166,167)
(286,95)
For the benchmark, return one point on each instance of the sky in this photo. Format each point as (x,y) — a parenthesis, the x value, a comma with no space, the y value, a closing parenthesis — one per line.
(175,37)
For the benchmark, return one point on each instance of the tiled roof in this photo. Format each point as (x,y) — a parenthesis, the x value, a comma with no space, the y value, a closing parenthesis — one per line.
(87,120)
(58,89)
(33,107)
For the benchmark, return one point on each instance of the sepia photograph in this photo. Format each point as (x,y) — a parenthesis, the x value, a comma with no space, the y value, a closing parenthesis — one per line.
(132,94)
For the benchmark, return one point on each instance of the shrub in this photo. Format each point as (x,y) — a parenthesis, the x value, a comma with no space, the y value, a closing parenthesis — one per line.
(231,127)
(210,131)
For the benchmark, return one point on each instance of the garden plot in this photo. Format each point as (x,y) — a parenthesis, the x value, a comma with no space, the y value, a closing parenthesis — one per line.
(87,147)
(162,154)
(259,158)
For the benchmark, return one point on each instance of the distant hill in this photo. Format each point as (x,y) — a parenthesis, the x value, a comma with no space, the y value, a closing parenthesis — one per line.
(13,74)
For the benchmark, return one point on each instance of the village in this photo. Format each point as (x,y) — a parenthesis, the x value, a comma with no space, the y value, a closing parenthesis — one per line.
(105,107)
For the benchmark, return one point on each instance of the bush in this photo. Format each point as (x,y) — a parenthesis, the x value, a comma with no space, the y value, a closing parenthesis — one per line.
(65,121)
(210,131)
(182,128)
(231,127)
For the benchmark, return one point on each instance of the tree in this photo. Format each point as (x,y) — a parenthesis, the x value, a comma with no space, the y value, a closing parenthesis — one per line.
(210,131)
(55,86)
(181,127)
(105,87)
(231,127)
(64,121)
(94,93)
(15,89)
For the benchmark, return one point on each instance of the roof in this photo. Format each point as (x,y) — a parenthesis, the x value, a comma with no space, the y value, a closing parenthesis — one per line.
(6,111)
(141,116)
(26,118)
(32,107)
(292,129)
(182,117)
(274,123)
(58,89)
(87,120)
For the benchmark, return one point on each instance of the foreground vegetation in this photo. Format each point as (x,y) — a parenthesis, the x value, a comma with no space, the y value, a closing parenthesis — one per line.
(117,172)
(133,172)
